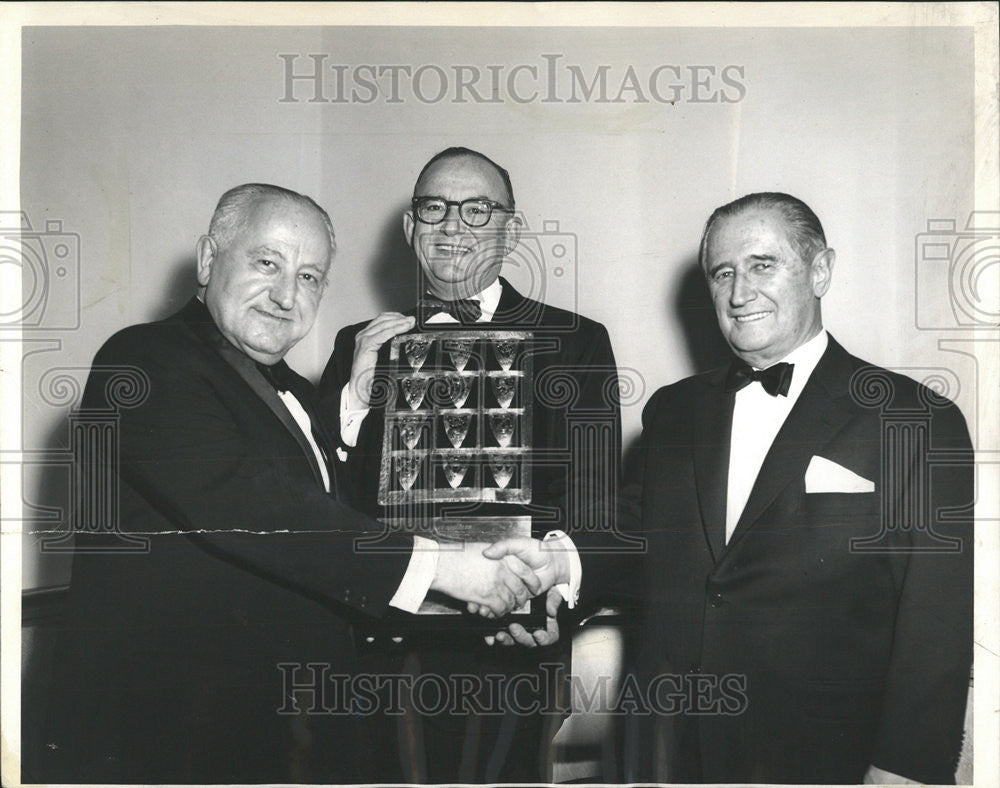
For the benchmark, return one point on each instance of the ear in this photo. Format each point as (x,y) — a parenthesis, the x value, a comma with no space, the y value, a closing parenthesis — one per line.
(822,271)
(512,233)
(206,251)
(408,225)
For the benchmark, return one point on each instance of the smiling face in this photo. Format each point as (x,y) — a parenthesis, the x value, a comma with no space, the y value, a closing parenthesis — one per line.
(767,298)
(263,285)
(459,261)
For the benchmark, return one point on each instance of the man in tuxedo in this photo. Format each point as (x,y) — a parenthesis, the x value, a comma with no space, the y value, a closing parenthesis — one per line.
(461,226)
(206,652)
(809,577)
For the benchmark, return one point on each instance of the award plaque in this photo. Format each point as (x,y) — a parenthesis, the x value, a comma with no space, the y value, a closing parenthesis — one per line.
(458,418)
(458,431)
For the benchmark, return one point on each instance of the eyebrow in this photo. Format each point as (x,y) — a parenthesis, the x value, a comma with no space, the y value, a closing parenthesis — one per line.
(268,251)
(765,258)
(440,197)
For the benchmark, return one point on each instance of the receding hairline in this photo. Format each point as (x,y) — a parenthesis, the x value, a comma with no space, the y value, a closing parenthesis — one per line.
(802,227)
(236,205)
(459,153)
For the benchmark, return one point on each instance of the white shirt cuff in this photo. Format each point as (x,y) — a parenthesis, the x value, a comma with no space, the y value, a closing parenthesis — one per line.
(418,577)
(570,591)
(350,420)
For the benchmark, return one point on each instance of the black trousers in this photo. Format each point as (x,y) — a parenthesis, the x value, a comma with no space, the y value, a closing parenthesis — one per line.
(457,710)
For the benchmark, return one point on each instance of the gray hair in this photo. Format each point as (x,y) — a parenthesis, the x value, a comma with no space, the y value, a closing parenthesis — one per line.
(805,233)
(234,204)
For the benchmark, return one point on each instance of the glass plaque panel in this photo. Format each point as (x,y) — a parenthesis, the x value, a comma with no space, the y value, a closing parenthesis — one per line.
(458,419)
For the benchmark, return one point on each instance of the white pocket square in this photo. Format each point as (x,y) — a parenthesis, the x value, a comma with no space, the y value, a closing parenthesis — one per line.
(825,476)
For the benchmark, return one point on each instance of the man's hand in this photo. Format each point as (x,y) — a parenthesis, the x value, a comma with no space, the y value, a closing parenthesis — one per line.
(540,637)
(366,347)
(495,587)
(877,776)
(548,560)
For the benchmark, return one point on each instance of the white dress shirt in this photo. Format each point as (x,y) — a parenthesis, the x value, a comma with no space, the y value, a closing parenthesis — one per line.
(350,428)
(291,402)
(420,570)
(757,418)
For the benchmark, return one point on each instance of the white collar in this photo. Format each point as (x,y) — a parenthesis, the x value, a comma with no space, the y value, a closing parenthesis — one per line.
(805,358)
(489,300)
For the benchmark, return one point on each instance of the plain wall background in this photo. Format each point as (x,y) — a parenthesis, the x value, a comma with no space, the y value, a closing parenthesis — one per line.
(130,135)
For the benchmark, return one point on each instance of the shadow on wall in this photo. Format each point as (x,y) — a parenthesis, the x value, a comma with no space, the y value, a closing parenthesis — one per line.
(703,342)
(692,303)
(392,274)
(48,520)
(182,284)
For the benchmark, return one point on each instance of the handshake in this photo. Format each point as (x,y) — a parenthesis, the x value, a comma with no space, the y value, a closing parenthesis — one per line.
(493,579)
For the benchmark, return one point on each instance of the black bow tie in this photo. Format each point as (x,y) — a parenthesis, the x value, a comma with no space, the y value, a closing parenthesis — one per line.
(776,379)
(279,375)
(464,310)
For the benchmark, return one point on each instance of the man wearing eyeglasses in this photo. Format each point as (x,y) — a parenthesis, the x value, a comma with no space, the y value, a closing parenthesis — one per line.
(461,226)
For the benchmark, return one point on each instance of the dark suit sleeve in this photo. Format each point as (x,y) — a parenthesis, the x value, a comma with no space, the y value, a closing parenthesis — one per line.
(920,733)
(611,556)
(360,471)
(208,467)
(618,576)
(336,375)
(636,469)
(590,425)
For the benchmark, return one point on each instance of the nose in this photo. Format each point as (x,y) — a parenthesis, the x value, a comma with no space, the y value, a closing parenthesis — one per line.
(452,224)
(743,290)
(283,290)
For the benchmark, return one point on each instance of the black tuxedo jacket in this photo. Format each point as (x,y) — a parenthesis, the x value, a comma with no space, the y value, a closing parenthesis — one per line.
(171,662)
(838,653)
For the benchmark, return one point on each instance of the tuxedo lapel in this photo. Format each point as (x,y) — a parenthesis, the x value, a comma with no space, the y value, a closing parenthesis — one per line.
(247,370)
(305,394)
(514,309)
(198,317)
(712,431)
(820,413)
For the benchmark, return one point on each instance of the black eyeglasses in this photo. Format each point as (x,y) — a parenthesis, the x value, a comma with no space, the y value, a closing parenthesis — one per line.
(474,212)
